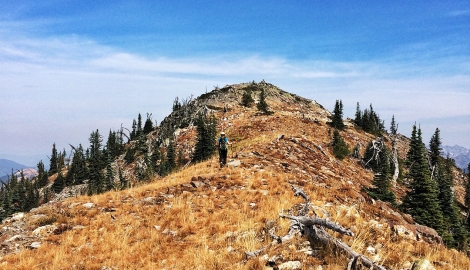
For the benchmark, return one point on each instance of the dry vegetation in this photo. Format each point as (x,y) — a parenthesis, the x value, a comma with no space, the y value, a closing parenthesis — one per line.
(171,224)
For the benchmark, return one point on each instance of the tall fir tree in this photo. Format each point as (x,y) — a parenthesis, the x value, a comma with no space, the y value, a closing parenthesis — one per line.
(206,135)
(340,147)
(262,105)
(53,165)
(421,201)
(337,117)
(42,178)
(382,178)
(95,164)
(148,126)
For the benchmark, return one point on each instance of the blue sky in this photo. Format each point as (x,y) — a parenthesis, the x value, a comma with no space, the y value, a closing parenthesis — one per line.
(70,67)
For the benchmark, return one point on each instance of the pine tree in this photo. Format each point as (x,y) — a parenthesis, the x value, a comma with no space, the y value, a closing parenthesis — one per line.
(170,157)
(247,99)
(139,130)
(262,104)
(206,134)
(358,116)
(95,164)
(148,126)
(337,117)
(59,183)
(435,148)
(53,166)
(42,178)
(340,147)
(422,200)
(382,179)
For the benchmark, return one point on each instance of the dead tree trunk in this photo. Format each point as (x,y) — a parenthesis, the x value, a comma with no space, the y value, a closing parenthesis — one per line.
(313,228)
(393,137)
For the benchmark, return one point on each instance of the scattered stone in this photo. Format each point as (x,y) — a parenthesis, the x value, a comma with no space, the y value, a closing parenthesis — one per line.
(15,237)
(88,205)
(422,265)
(197,184)
(234,163)
(17,217)
(44,230)
(157,227)
(35,245)
(290,265)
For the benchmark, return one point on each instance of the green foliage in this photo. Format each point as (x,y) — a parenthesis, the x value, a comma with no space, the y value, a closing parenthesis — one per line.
(247,99)
(421,201)
(382,178)
(369,121)
(42,178)
(78,170)
(59,183)
(337,117)
(262,104)
(53,166)
(148,126)
(96,163)
(340,147)
(206,134)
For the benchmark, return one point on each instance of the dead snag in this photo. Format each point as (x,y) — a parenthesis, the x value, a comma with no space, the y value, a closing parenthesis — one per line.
(313,228)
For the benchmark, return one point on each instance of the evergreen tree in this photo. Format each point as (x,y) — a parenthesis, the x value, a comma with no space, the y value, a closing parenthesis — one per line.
(382,178)
(453,233)
(358,116)
(148,126)
(133,133)
(422,200)
(109,179)
(53,166)
(59,183)
(340,147)
(337,117)
(95,164)
(435,148)
(247,99)
(206,135)
(170,157)
(122,180)
(139,130)
(42,178)
(262,104)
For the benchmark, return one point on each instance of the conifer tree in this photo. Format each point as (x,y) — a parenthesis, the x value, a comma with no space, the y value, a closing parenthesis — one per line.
(337,117)
(139,130)
(170,157)
(206,135)
(422,200)
(435,148)
(42,179)
(262,104)
(95,164)
(382,179)
(358,116)
(53,166)
(133,133)
(148,126)
(247,99)
(59,183)
(340,147)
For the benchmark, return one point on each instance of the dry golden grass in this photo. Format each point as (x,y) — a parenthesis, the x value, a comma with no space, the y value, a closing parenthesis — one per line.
(167,224)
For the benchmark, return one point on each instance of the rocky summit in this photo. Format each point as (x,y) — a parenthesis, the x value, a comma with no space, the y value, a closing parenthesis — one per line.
(284,201)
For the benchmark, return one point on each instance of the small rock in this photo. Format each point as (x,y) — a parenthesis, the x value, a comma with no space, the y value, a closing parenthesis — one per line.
(88,205)
(197,184)
(291,265)
(422,265)
(157,227)
(234,163)
(370,250)
(35,245)
(17,217)
(15,237)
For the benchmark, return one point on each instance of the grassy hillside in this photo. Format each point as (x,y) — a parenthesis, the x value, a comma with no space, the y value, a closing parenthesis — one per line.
(207,217)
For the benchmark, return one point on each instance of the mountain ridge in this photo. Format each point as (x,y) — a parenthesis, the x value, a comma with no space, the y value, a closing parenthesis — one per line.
(207,217)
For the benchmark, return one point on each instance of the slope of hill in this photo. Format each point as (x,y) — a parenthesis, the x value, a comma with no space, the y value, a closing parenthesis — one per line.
(207,217)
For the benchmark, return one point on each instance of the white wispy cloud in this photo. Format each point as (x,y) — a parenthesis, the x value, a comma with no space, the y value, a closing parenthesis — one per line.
(60,89)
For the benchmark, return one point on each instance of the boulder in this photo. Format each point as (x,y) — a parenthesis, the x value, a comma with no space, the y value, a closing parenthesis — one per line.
(422,265)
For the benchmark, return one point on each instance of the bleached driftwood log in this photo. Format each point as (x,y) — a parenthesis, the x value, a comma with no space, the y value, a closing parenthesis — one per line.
(313,228)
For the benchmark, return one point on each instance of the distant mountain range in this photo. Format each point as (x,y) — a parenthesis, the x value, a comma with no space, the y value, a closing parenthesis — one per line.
(460,154)
(6,166)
